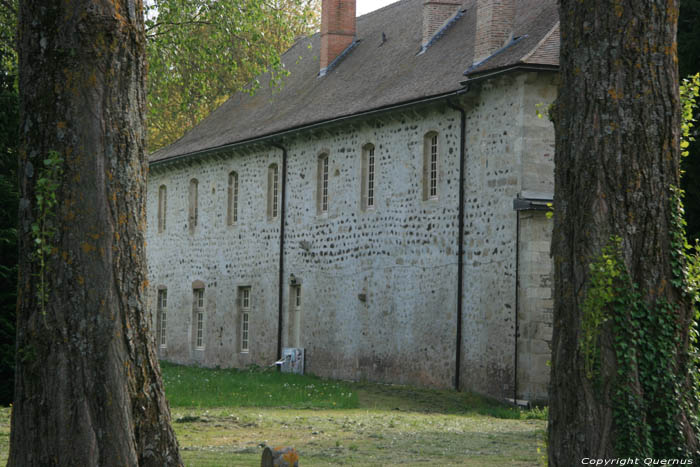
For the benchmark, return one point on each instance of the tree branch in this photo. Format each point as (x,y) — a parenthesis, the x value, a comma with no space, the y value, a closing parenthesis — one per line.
(168,23)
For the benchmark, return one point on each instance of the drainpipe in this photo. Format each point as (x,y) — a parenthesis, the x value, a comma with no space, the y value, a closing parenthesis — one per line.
(517,305)
(280,292)
(460,239)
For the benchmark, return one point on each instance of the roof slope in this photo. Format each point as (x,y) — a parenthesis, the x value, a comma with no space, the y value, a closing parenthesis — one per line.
(371,76)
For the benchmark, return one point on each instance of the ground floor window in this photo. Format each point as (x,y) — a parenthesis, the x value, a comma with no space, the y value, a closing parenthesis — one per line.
(161,318)
(244,307)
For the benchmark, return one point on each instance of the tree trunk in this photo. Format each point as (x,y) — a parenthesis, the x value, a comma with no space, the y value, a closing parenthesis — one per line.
(617,121)
(88,386)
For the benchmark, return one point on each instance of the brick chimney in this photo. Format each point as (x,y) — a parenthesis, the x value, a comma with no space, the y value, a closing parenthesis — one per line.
(494,25)
(337,29)
(435,14)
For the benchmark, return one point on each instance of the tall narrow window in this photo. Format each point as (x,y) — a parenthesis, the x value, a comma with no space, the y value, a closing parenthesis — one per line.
(295,316)
(161,318)
(244,305)
(232,212)
(162,205)
(322,184)
(368,177)
(198,305)
(272,191)
(430,166)
(194,208)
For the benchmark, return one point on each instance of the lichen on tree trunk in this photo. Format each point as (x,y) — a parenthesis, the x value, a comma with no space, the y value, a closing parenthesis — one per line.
(617,161)
(88,387)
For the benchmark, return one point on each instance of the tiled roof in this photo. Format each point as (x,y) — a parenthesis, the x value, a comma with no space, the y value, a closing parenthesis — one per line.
(373,75)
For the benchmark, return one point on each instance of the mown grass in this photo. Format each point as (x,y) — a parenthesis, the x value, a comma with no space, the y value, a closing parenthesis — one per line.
(226,417)
(255,387)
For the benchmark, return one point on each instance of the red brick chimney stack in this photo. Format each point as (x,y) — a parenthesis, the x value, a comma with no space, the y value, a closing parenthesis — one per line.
(435,14)
(337,28)
(494,26)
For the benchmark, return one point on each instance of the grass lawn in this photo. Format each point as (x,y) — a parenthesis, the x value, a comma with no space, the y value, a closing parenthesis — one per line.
(226,417)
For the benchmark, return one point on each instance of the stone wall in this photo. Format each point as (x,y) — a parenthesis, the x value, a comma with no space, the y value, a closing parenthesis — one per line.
(378,287)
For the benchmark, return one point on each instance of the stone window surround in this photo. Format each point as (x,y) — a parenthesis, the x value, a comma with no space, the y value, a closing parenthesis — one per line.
(431,165)
(322,182)
(232,201)
(193,204)
(198,315)
(162,207)
(368,197)
(161,316)
(273,191)
(244,307)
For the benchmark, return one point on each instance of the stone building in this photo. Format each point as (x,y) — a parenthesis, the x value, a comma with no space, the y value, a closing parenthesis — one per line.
(385,209)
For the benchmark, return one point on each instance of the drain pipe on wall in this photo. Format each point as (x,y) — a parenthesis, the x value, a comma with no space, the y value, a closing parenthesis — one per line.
(460,239)
(283,211)
(517,306)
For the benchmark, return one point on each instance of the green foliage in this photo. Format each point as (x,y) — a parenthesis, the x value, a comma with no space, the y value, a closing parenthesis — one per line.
(651,389)
(44,228)
(8,37)
(689,64)
(647,393)
(202,51)
(603,276)
(689,92)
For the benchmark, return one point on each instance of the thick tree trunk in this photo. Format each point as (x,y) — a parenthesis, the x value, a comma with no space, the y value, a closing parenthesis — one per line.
(88,386)
(617,157)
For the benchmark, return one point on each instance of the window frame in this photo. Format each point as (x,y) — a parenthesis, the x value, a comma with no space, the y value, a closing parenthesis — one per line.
(431,166)
(198,307)
(193,204)
(273,187)
(322,183)
(232,204)
(244,306)
(162,207)
(294,315)
(369,178)
(161,317)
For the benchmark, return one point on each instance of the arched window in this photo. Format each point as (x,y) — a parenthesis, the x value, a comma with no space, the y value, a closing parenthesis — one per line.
(322,184)
(162,205)
(194,209)
(431,157)
(368,198)
(273,181)
(232,208)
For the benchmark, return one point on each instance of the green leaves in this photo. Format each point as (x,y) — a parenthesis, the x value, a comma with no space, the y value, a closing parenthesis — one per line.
(607,277)
(689,93)
(202,51)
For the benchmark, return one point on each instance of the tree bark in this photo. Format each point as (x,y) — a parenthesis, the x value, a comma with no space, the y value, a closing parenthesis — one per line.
(88,386)
(617,122)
